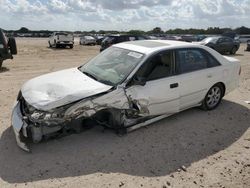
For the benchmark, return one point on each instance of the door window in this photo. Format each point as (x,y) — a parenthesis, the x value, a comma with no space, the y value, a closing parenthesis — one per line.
(211,61)
(157,67)
(189,60)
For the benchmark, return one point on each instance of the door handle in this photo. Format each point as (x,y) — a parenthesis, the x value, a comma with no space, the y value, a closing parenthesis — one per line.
(174,85)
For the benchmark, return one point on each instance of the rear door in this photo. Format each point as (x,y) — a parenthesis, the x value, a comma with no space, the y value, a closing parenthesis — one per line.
(198,72)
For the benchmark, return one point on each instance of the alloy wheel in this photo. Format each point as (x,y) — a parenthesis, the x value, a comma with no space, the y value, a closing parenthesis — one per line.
(213,97)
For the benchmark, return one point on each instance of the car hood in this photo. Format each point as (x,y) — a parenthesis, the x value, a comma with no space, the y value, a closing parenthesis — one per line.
(60,88)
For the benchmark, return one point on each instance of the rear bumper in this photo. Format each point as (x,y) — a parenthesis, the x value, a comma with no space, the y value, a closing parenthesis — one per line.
(65,42)
(19,127)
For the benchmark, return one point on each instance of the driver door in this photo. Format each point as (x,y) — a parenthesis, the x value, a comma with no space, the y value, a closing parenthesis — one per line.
(159,92)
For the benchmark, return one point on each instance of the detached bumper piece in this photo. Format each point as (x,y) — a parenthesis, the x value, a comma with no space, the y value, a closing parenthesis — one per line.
(19,127)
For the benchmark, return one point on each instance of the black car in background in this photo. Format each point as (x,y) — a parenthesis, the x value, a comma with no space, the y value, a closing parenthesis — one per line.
(7,47)
(221,44)
(114,39)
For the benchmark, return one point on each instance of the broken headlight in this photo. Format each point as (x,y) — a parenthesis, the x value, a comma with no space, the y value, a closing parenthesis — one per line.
(57,113)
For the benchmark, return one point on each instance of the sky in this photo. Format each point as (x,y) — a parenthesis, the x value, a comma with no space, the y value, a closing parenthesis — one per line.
(123,15)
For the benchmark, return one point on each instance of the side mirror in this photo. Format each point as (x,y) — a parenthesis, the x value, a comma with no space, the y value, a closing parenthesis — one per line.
(137,80)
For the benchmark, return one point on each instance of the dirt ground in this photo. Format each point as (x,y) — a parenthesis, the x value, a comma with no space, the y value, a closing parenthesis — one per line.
(191,149)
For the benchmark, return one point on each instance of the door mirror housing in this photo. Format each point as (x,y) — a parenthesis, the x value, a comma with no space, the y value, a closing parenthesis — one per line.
(137,80)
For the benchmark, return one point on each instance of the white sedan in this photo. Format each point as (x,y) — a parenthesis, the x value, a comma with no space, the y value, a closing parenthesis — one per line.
(127,86)
(87,40)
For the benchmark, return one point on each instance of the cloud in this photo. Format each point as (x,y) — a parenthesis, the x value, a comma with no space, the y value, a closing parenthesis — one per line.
(124,14)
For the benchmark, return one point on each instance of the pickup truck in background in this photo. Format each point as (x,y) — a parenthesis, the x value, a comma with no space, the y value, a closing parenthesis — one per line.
(61,39)
(7,47)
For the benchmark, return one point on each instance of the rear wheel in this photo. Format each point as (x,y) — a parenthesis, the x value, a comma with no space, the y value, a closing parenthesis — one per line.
(71,46)
(233,51)
(213,97)
(1,63)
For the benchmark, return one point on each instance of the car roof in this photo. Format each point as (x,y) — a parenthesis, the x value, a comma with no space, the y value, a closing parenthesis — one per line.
(150,46)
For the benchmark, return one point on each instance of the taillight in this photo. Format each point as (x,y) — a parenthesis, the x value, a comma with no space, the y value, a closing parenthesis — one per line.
(240,71)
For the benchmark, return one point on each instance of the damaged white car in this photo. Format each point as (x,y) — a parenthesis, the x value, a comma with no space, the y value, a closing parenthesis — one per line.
(127,86)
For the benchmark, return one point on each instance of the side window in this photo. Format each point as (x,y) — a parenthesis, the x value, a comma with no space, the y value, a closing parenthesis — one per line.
(157,67)
(189,60)
(212,62)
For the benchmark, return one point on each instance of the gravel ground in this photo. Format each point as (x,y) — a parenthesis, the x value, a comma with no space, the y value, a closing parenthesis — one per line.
(191,149)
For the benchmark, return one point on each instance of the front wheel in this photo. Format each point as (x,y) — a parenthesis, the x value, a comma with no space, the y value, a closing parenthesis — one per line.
(213,97)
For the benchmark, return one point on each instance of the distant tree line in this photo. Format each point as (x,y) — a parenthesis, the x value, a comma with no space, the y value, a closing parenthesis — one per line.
(155,31)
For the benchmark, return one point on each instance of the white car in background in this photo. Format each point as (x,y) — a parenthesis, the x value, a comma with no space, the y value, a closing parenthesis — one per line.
(125,87)
(87,40)
(61,39)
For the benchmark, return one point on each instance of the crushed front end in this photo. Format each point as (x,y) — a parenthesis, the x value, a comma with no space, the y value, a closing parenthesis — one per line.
(30,124)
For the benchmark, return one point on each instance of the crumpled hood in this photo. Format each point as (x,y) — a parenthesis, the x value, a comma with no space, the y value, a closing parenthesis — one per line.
(60,88)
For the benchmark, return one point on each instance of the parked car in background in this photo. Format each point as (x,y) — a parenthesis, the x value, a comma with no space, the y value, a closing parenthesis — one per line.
(200,37)
(188,38)
(171,37)
(99,39)
(61,39)
(114,39)
(87,40)
(129,85)
(244,38)
(7,47)
(221,44)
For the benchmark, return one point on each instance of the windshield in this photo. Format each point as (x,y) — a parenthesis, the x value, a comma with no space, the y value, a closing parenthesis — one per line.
(112,66)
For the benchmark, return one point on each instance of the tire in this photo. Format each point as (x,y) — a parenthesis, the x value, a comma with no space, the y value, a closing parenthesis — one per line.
(71,46)
(233,51)
(12,46)
(1,63)
(213,97)
(50,44)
